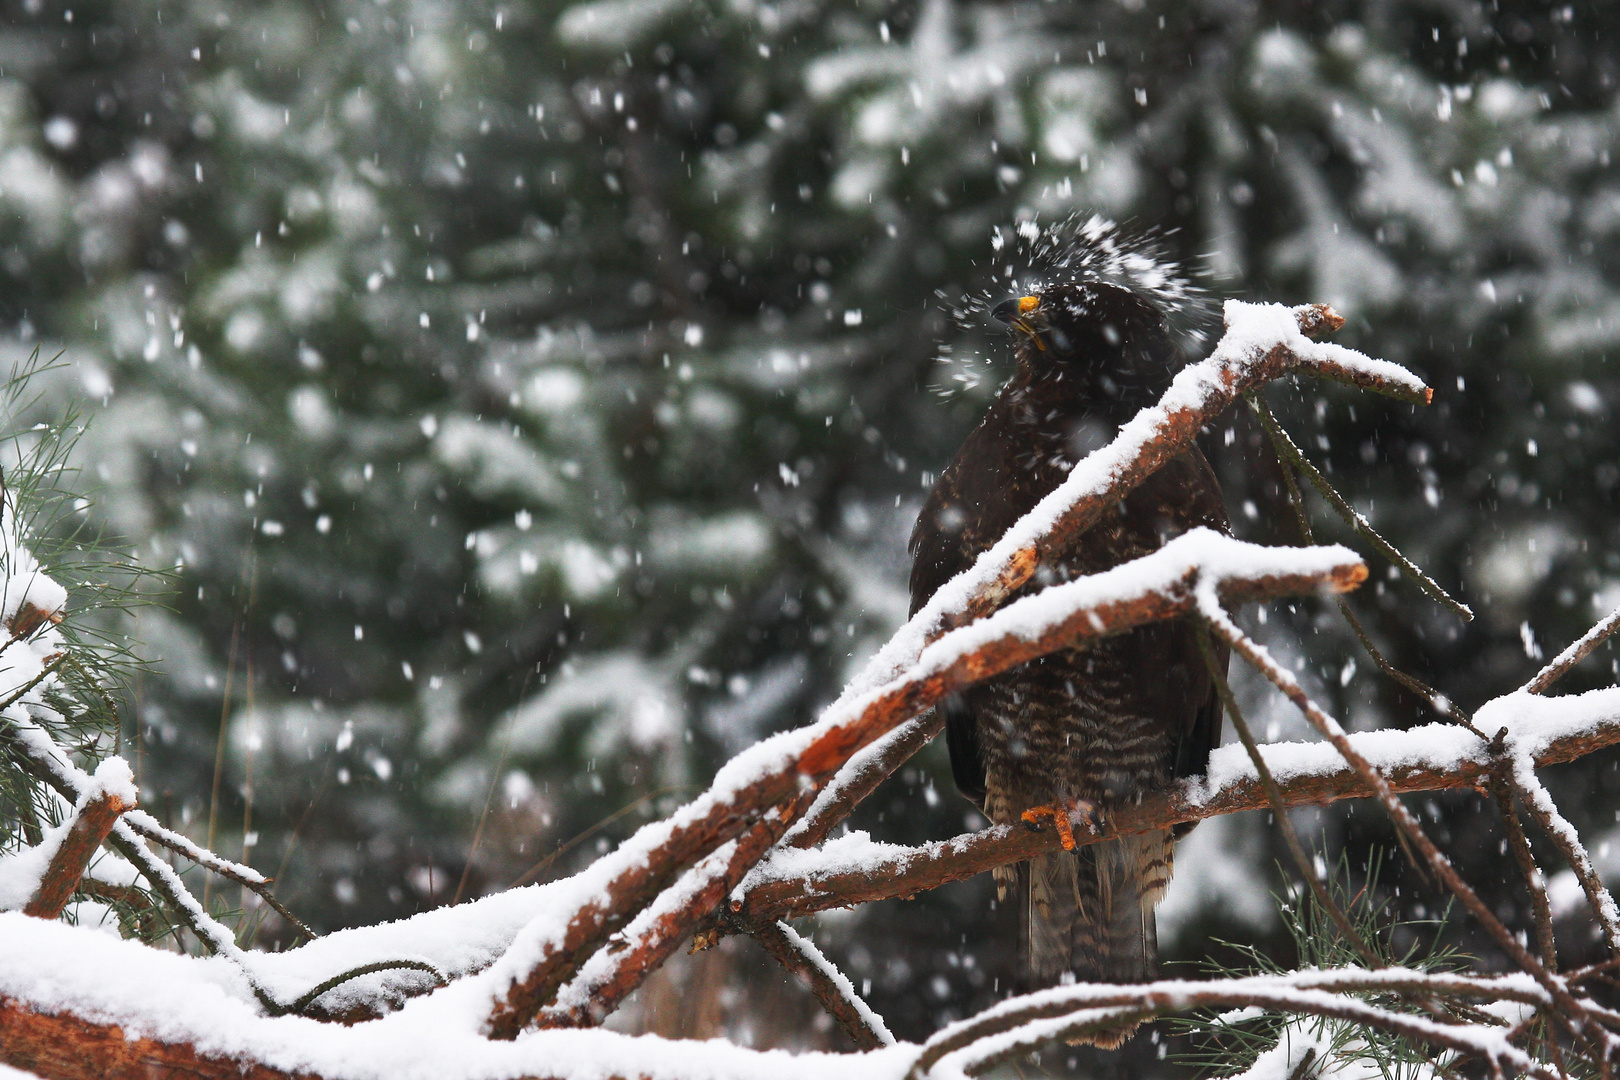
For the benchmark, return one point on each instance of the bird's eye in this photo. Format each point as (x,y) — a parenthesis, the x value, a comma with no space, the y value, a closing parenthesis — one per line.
(1111,333)
(1027,304)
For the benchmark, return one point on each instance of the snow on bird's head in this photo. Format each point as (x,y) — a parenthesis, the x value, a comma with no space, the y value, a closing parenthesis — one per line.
(1028,257)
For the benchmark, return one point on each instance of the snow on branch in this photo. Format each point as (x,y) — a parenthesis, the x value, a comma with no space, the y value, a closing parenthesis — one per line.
(79,1004)
(831,986)
(854,869)
(1578,650)
(1158,586)
(1023,1023)
(110,793)
(1262,342)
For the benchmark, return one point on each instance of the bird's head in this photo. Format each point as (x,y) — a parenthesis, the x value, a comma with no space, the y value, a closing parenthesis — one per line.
(1094,334)
(1090,320)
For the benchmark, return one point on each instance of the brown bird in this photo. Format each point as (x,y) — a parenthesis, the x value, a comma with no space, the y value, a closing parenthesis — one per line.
(1117,718)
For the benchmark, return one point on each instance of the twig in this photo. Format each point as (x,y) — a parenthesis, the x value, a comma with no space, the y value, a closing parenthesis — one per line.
(1534,880)
(1576,651)
(1522,775)
(1285,446)
(1438,701)
(305,1000)
(147,827)
(50,666)
(861,776)
(830,986)
(101,692)
(1442,867)
(1274,795)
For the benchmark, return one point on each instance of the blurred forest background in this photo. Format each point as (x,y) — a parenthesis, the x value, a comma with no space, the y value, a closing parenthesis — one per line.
(531,400)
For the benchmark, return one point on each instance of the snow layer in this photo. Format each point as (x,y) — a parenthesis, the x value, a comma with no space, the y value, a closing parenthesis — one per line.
(21,870)
(1533,723)
(161,995)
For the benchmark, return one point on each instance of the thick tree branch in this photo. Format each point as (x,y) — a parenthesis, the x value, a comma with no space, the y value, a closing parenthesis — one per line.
(794,884)
(95,816)
(1255,351)
(1157,586)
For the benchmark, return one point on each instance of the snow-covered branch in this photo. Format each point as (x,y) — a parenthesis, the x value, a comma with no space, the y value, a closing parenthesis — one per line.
(77,1004)
(1262,342)
(110,793)
(855,869)
(1158,586)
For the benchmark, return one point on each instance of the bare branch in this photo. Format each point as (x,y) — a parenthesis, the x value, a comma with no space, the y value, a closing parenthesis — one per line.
(1534,880)
(1577,651)
(829,985)
(1286,448)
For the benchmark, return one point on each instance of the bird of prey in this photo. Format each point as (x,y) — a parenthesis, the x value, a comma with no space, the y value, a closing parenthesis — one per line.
(1115,718)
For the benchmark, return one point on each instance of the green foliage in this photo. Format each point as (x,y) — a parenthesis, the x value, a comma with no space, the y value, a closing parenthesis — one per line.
(47,510)
(1229,1043)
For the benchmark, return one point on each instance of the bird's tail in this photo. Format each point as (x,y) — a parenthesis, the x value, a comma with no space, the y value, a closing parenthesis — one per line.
(1088,913)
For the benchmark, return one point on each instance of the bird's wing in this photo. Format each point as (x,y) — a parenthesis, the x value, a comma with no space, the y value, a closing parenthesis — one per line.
(962,739)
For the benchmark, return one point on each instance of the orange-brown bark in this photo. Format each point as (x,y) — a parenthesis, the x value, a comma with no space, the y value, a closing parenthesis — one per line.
(65,1047)
(67,866)
(904,698)
(919,869)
